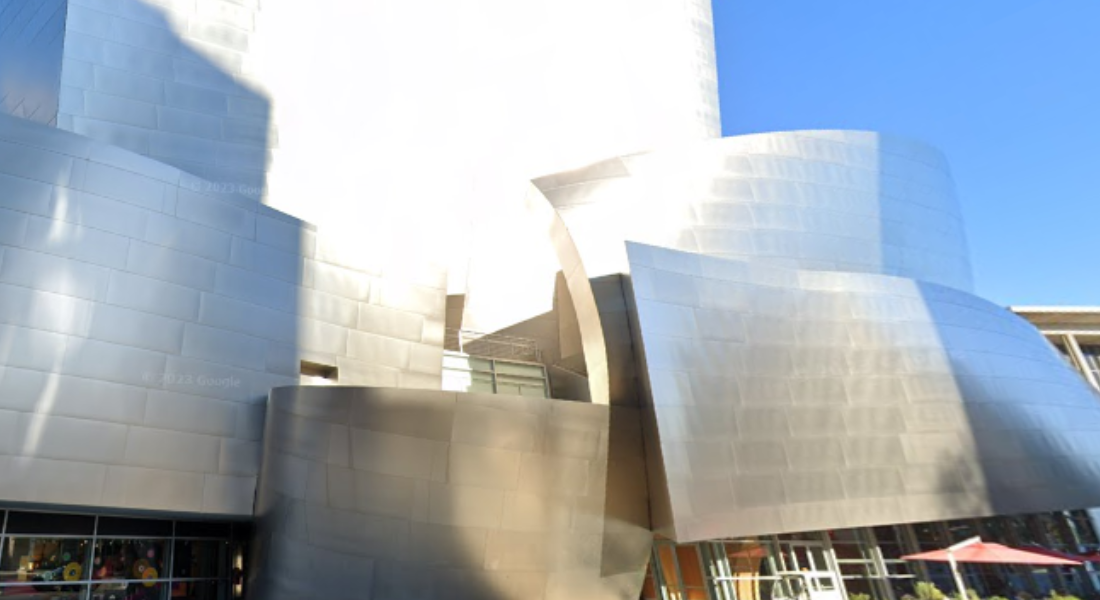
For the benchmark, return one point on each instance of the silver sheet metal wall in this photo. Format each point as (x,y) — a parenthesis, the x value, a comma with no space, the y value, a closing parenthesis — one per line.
(823,200)
(143,322)
(809,354)
(811,400)
(31,38)
(407,495)
(168,80)
(826,200)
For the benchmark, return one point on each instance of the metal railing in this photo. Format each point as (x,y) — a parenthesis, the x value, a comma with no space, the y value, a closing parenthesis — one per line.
(491,345)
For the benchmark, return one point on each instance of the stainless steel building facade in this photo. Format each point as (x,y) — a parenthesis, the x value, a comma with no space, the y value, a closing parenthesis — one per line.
(259,338)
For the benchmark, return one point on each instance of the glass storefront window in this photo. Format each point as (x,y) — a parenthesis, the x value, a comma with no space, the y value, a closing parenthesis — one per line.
(649,587)
(43,559)
(129,559)
(891,542)
(931,536)
(815,565)
(200,559)
(1083,529)
(691,571)
(671,575)
(129,591)
(1019,530)
(42,593)
(59,556)
(961,530)
(200,590)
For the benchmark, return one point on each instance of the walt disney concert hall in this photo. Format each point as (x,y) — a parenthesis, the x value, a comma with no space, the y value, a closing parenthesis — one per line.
(380,300)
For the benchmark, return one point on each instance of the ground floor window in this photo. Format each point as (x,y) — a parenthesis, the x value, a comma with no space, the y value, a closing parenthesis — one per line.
(58,556)
(866,563)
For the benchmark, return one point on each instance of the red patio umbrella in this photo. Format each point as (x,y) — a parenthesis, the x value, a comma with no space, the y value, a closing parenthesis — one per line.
(974,550)
(990,553)
(1057,554)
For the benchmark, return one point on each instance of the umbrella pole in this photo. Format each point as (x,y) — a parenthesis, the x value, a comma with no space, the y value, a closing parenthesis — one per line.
(958,577)
(955,565)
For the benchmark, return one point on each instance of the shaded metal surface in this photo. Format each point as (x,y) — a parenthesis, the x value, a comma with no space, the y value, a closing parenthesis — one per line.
(31,39)
(169,80)
(406,495)
(792,400)
(142,324)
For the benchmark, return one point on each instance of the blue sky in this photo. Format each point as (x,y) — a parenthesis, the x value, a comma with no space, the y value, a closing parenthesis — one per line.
(1009,90)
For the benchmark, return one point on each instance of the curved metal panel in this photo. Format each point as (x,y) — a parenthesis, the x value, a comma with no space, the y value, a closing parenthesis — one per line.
(818,200)
(585,305)
(821,200)
(143,322)
(793,400)
(391,494)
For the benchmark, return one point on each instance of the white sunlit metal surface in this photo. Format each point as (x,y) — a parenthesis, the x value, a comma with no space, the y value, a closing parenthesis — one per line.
(143,322)
(824,200)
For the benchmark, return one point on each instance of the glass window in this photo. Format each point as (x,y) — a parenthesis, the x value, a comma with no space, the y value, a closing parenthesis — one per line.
(669,572)
(747,557)
(1056,531)
(51,556)
(930,536)
(199,529)
(32,559)
(137,590)
(113,526)
(200,590)
(129,559)
(519,369)
(962,530)
(649,588)
(890,541)
(480,383)
(49,523)
(43,592)
(200,559)
(844,535)
(691,570)
(1018,529)
(1092,357)
(1083,528)
(497,376)
(520,386)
